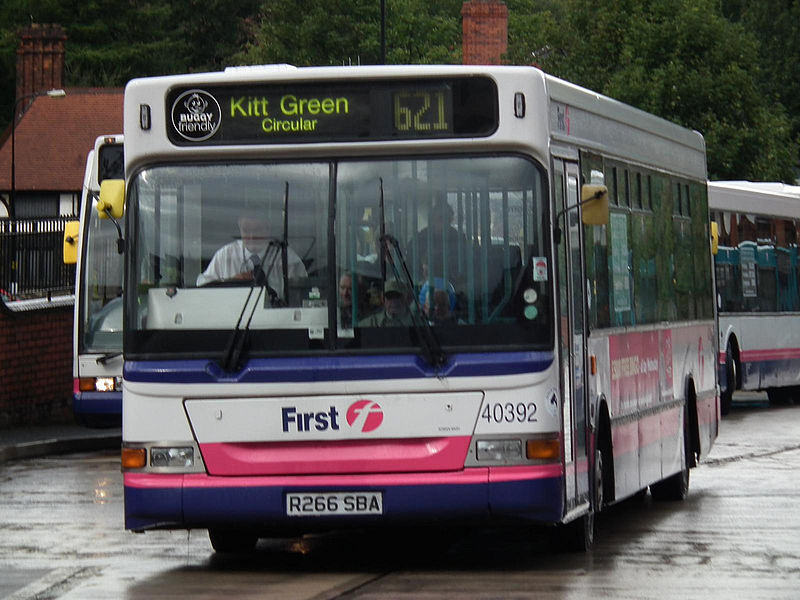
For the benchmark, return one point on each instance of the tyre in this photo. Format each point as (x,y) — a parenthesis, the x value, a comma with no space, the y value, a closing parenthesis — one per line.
(232,541)
(575,536)
(779,396)
(578,535)
(726,397)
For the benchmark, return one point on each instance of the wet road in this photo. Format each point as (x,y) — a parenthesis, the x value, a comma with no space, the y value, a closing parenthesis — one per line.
(736,536)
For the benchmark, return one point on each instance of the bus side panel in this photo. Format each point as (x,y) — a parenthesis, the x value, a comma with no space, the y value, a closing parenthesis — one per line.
(769,350)
(644,377)
(695,360)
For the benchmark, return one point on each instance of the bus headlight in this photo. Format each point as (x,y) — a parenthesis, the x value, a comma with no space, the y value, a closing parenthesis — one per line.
(499,450)
(172,457)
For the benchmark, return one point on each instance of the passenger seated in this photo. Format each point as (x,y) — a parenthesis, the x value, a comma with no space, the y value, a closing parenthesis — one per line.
(438,302)
(395,311)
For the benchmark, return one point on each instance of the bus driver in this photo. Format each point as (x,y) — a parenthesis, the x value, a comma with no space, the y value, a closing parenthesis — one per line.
(243,258)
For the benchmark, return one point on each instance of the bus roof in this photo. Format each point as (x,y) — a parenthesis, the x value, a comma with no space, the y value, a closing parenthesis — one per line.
(751,197)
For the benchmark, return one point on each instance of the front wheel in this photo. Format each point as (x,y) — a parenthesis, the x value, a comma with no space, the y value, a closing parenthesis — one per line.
(726,398)
(232,541)
(575,536)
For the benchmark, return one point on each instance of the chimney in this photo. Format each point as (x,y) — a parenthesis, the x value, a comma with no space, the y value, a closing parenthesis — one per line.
(40,60)
(484,26)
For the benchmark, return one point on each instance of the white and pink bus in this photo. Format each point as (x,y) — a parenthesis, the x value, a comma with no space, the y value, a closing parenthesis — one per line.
(97,325)
(380,295)
(758,287)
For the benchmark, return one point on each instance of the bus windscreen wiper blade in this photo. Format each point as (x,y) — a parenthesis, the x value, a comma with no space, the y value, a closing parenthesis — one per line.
(231,358)
(430,344)
(101,360)
(235,346)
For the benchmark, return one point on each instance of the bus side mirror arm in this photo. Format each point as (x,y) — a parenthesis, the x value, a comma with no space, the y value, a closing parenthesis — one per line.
(595,200)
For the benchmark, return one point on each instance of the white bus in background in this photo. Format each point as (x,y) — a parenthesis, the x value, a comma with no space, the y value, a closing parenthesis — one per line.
(758,287)
(414,338)
(97,326)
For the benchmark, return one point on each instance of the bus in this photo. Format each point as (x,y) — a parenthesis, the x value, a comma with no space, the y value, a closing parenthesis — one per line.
(757,275)
(97,323)
(372,296)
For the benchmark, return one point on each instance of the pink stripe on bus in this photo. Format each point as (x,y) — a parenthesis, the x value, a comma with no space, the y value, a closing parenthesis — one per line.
(769,354)
(351,456)
(472,476)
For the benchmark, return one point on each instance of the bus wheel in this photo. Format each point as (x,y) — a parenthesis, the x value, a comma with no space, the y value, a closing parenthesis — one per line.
(676,487)
(730,382)
(232,541)
(578,535)
(779,396)
(575,536)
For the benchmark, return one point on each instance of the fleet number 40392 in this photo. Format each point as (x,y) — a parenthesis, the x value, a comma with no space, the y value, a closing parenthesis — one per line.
(509,412)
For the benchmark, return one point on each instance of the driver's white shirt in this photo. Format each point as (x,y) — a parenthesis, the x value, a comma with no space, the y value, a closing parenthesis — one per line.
(234,258)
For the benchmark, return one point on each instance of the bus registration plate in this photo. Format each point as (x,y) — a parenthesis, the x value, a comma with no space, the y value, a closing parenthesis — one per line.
(321,504)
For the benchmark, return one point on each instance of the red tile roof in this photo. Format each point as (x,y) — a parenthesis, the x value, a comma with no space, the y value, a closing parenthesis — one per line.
(55,135)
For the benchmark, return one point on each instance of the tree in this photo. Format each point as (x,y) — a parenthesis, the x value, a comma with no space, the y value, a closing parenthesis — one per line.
(111,42)
(336,32)
(776,25)
(679,59)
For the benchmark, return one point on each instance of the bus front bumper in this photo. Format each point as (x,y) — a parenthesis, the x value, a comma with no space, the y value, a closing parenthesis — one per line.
(166,501)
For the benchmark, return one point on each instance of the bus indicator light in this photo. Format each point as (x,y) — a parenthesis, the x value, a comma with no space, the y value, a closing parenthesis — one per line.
(134,458)
(543,450)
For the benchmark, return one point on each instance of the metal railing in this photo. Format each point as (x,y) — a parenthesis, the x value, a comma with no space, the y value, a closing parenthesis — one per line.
(31,259)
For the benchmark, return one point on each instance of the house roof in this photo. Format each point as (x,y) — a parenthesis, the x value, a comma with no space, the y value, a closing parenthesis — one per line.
(54,136)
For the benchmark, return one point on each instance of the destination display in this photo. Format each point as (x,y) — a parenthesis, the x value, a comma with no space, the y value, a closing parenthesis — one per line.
(331,111)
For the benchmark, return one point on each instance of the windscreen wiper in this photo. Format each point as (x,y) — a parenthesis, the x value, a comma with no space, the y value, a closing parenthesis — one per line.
(101,360)
(431,347)
(235,346)
(233,351)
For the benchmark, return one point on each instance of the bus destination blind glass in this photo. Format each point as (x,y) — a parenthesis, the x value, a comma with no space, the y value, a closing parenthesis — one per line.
(350,111)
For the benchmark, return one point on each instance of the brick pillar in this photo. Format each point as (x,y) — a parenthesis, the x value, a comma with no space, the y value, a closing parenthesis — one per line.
(40,60)
(484,31)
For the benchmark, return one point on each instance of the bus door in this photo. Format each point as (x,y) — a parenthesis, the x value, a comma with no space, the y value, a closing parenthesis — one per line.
(572,332)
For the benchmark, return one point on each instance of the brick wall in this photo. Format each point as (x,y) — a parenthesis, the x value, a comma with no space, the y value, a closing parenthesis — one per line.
(484,26)
(36,367)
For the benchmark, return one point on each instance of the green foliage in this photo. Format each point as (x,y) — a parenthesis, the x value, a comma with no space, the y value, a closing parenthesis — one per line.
(337,32)
(728,68)
(110,42)
(679,59)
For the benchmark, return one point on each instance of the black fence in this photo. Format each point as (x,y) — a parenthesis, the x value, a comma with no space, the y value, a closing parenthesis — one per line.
(31,259)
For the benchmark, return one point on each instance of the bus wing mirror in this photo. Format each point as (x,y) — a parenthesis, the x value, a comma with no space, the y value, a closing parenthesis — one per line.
(72,230)
(594,199)
(112,199)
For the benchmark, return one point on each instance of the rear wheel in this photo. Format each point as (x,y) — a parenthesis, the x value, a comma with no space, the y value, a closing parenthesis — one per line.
(779,396)
(232,541)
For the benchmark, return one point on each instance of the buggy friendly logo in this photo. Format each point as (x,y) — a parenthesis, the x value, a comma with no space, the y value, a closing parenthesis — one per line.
(362,416)
(196,115)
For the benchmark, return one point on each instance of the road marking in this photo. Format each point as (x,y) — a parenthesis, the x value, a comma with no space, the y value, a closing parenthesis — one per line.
(54,584)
